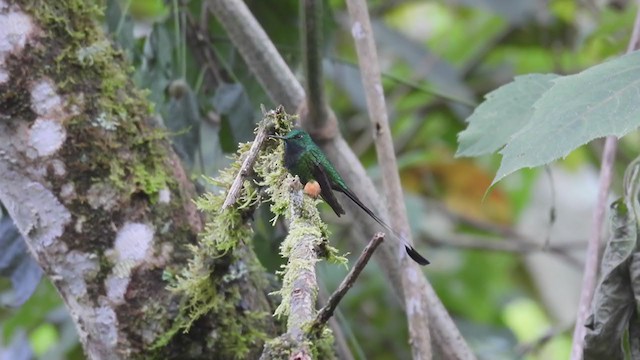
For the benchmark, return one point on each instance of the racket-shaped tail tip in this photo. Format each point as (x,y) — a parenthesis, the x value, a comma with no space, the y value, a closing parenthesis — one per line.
(413,254)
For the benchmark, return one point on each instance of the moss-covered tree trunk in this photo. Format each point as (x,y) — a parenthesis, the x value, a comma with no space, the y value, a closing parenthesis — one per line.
(102,201)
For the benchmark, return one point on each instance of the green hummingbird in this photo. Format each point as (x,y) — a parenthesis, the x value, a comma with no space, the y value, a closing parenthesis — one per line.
(302,157)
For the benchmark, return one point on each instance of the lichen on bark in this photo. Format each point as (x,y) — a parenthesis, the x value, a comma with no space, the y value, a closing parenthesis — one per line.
(94,187)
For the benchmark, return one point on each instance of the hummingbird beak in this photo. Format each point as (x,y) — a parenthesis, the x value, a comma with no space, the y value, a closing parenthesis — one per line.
(276,137)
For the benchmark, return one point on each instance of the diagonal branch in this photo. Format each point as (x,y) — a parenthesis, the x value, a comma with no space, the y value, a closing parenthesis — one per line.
(417,311)
(327,311)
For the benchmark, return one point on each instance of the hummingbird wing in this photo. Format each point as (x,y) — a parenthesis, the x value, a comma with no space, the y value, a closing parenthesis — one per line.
(325,188)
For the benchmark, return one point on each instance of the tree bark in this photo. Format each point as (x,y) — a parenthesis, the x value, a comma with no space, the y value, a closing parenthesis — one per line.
(102,201)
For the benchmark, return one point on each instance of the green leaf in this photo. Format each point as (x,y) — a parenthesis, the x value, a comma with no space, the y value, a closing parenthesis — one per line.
(613,303)
(43,338)
(155,69)
(236,110)
(598,102)
(120,25)
(227,142)
(505,111)
(182,118)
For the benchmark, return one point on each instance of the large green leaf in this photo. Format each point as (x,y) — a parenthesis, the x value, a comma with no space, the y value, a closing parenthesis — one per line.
(237,115)
(600,101)
(505,111)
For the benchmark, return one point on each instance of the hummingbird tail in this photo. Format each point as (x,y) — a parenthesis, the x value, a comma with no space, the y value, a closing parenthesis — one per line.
(413,254)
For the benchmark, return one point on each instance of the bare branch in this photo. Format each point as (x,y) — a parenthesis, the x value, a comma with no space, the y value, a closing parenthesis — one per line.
(413,286)
(593,248)
(327,311)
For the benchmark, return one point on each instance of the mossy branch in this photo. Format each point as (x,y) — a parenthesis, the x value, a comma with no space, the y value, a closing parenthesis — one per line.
(305,245)
(208,285)
(207,293)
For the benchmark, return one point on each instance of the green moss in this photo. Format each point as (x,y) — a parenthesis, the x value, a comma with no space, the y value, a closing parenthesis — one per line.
(149,182)
(323,346)
(279,348)
(210,283)
(112,110)
(282,347)
(117,173)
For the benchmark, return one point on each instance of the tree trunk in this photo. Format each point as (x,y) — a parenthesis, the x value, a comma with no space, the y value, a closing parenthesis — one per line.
(103,202)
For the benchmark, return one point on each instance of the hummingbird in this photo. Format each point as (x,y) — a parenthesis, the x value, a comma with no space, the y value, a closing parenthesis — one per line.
(302,157)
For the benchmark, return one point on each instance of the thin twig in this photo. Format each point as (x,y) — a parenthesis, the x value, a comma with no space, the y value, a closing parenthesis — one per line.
(247,164)
(327,311)
(202,49)
(593,249)
(412,285)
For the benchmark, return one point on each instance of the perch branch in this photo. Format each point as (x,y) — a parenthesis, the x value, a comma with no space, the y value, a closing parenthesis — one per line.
(304,287)
(327,311)
(593,249)
(299,287)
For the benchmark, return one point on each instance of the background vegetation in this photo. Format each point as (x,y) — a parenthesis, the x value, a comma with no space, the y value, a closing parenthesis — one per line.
(506,263)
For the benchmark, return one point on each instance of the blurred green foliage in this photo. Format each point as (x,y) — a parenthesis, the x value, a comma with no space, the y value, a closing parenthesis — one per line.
(438,61)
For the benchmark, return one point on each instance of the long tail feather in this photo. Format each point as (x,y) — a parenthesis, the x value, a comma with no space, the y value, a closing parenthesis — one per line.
(413,254)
